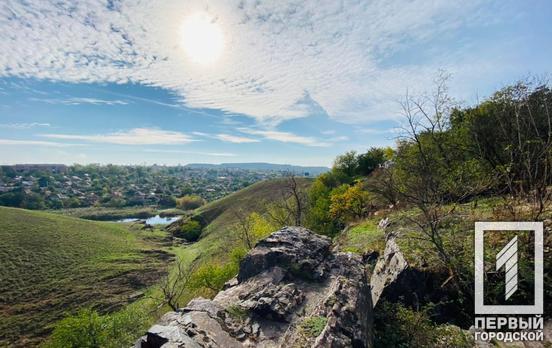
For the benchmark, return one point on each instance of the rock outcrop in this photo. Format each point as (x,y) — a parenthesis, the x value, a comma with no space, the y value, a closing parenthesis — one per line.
(291,291)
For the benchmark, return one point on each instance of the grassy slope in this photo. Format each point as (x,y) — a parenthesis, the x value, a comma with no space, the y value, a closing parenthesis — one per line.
(52,264)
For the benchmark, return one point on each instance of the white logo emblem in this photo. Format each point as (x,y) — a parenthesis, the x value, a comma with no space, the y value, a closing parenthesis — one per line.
(507,258)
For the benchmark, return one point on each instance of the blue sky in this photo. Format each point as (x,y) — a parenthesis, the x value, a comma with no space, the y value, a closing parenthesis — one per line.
(177,82)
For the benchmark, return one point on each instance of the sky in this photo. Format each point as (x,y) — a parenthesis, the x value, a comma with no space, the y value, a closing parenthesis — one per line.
(298,82)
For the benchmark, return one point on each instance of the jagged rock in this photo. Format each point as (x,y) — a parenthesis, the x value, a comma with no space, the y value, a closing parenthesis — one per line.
(388,269)
(294,248)
(286,279)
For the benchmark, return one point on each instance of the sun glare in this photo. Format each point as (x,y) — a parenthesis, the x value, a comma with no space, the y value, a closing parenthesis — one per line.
(202,38)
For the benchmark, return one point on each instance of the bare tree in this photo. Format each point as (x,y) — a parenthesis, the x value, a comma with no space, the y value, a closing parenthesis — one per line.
(429,180)
(291,208)
(174,285)
(245,228)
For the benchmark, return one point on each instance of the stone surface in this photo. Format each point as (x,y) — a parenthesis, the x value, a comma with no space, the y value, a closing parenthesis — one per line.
(388,269)
(287,279)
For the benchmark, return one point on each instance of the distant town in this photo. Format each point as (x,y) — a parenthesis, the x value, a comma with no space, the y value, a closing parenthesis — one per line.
(57,186)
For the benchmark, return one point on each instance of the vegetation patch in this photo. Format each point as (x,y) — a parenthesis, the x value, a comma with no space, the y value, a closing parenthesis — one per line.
(313,326)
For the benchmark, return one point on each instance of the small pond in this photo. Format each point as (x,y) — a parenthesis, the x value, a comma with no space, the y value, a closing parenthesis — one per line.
(155,220)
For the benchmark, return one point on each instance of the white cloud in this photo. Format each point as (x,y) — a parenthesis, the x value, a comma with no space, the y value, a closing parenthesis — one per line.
(235,139)
(35,143)
(286,137)
(213,154)
(136,136)
(80,101)
(275,51)
(23,125)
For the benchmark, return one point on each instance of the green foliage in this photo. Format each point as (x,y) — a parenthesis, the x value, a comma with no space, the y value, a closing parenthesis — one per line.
(237,312)
(213,276)
(350,202)
(190,202)
(313,326)
(319,218)
(190,230)
(401,327)
(371,160)
(88,329)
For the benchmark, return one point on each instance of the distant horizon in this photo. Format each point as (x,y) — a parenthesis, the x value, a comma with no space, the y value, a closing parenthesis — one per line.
(165,165)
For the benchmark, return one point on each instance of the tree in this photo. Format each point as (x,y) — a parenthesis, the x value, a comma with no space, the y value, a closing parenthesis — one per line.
(511,133)
(349,203)
(174,284)
(433,172)
(370,161)
(251,228)
(292,206)
(346,164)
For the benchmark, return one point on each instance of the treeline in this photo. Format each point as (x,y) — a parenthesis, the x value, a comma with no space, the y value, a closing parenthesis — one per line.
(447,154)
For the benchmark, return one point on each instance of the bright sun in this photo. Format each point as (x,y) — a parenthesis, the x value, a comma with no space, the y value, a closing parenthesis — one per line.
(202,38)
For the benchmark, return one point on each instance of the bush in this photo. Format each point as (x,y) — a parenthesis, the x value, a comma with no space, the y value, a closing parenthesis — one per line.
(190,202)
(399,326)
(190,230)
(88,329)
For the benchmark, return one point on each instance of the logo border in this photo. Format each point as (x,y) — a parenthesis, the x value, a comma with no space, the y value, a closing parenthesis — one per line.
(480,306)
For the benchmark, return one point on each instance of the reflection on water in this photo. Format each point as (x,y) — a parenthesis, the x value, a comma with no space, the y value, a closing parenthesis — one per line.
(155,220)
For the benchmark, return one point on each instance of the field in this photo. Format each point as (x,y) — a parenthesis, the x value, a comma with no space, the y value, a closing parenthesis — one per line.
(53,264)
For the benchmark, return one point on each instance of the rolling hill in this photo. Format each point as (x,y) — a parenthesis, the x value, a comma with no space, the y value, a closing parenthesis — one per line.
(52,265)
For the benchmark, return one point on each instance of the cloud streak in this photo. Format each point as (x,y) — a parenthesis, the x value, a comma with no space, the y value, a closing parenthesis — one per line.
(286,137)
(23,125)
(236,139)
(80,101)
(16,142)
(136,136)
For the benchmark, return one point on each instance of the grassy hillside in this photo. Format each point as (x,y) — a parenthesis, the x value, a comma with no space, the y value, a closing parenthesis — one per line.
(53,264)
(255,198)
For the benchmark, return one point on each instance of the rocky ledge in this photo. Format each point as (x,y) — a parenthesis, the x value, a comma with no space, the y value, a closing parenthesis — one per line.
(291,291)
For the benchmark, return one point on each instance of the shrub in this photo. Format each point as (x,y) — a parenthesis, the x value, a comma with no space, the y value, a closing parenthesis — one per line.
(86,329)
(399,326)
(190,230)
(190,202)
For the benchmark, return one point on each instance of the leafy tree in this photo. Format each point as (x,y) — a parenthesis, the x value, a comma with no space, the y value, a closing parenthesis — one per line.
(347,164)
(349,203)
(511,134)
(370,161)
(251,228)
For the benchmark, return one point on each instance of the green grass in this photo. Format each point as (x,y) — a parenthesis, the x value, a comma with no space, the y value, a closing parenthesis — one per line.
(53,264)
(363,237)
